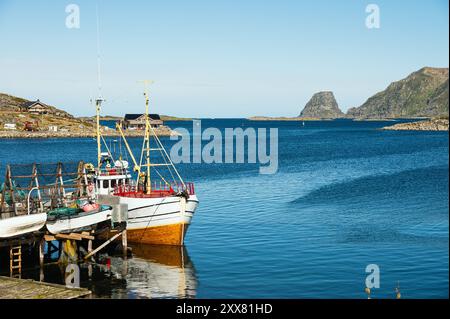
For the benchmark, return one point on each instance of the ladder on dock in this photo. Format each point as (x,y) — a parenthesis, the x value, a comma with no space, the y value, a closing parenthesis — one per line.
(15,261)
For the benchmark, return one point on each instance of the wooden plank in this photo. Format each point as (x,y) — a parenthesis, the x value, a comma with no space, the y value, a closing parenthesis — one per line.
(12,288)
(86,236)
(49,238)
(70,236)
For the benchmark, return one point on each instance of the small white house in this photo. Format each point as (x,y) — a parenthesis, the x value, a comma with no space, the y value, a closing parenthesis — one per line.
(10,126)
(53,128)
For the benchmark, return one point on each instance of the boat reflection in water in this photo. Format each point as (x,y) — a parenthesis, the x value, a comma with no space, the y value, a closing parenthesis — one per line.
(152,272)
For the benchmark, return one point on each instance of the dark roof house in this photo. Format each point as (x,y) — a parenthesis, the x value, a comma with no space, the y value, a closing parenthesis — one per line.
(36,107)
(136,116)
(137,121)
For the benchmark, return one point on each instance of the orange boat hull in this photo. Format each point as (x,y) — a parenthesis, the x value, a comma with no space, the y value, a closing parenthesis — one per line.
(159,235)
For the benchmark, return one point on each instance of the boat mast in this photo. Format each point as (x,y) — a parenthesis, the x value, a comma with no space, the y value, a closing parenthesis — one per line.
(147,136)
(98,104)
(99,100)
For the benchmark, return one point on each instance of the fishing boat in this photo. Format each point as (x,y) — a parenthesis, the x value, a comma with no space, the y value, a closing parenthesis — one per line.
(21,225)
(159,211)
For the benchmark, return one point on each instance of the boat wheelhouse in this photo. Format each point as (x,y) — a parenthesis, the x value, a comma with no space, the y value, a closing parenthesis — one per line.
(108,177)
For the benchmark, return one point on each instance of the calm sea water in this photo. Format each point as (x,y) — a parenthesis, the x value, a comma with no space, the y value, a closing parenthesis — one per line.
(346,195)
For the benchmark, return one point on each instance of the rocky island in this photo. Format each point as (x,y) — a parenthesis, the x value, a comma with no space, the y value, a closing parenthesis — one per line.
(322,105)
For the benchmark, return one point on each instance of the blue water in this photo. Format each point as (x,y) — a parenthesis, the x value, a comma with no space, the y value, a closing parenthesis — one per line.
(346,195)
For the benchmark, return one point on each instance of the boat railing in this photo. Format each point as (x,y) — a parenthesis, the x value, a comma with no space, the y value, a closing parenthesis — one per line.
(157,188)
(113,171)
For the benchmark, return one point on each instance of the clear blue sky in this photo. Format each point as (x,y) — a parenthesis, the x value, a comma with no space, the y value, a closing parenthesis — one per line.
(216,58)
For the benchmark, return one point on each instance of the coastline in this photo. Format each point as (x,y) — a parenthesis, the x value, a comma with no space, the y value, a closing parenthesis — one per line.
(430,125)
(120,118)
(358,119)
(299,119)
(161,131)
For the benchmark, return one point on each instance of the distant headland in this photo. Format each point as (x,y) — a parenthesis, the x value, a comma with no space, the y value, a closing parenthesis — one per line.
(421,95)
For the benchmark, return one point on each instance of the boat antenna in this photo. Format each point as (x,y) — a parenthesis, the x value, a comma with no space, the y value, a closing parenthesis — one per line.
(99,100)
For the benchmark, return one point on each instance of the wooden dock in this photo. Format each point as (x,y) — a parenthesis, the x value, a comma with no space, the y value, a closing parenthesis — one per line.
(13,288)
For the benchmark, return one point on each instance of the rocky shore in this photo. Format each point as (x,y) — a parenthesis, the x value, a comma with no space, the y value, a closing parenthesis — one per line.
(161,131)
(430,125)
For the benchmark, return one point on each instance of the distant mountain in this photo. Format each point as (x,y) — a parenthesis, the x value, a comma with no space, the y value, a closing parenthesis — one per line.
(322,105)
(10,103)
(423,93)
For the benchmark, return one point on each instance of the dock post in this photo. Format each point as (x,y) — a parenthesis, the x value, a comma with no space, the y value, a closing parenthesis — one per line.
(124,243)
(90,271)
(90,265)
(41,253)
(89,245)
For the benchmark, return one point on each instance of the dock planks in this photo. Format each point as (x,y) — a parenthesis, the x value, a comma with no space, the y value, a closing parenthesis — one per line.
(14,288)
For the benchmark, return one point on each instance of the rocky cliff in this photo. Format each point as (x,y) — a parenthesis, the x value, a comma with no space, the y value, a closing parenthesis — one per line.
(322,105)
(423,93)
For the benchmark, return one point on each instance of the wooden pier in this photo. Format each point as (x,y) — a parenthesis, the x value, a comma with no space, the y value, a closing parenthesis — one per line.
(13,288)
(55,186)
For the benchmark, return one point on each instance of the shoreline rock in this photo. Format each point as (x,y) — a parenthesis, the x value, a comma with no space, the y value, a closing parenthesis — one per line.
(431,125)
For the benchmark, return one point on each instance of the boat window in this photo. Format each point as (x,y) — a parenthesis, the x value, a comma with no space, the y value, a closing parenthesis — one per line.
(105,184)
(120,182)
(113,183)
(98,184)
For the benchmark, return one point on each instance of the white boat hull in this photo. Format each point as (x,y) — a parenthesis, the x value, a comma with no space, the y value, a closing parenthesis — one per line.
(162,220)
(80,221)
(21,225)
